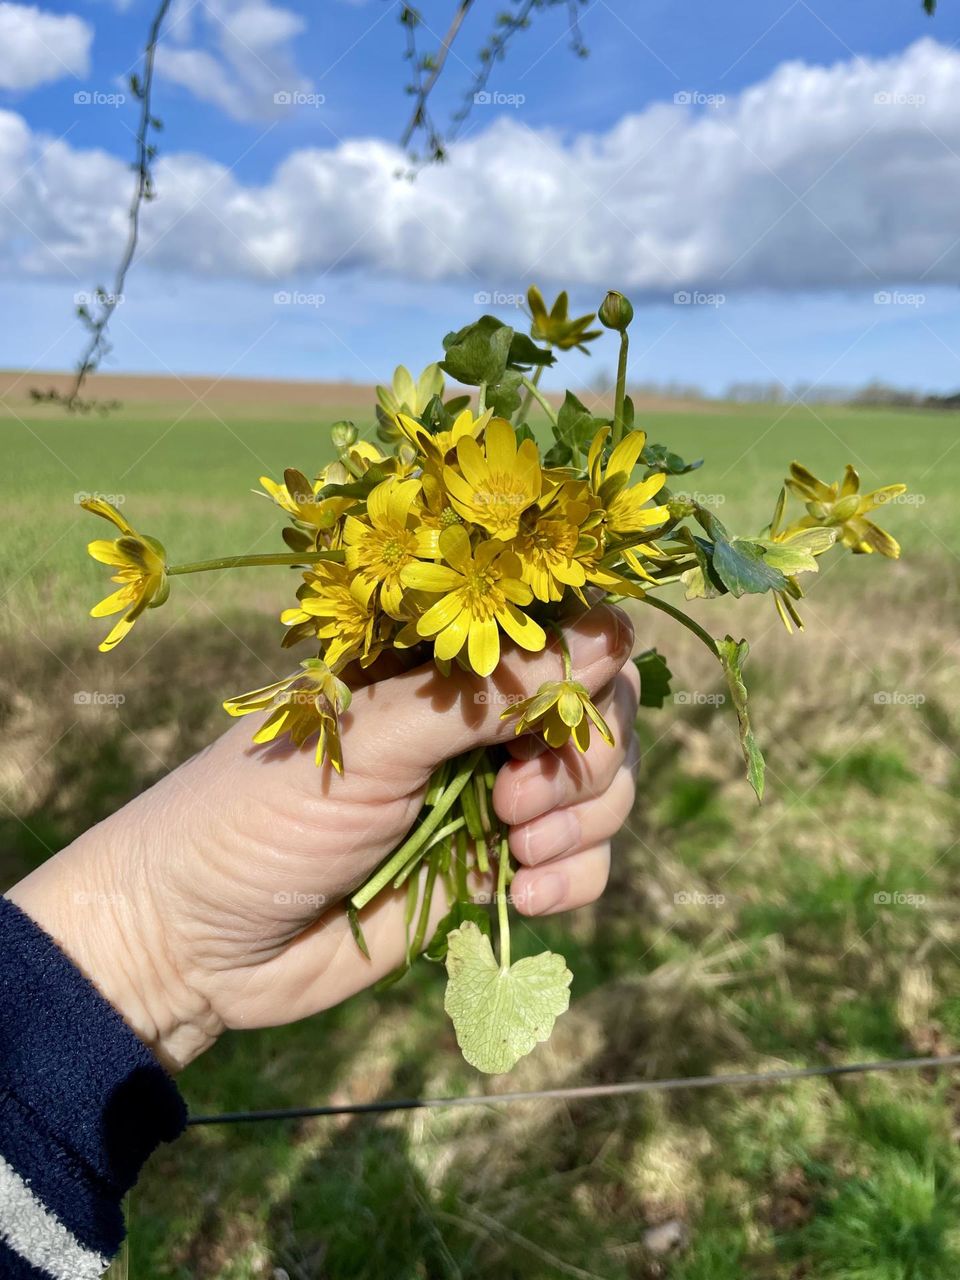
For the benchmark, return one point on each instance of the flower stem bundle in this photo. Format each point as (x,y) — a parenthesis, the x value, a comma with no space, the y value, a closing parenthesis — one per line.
(458,532)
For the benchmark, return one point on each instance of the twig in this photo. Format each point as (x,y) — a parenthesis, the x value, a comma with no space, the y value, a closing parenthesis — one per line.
(425,88)
(97,345)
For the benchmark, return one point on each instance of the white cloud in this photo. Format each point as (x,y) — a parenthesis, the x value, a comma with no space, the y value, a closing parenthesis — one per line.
(815,178)
(246,62)
(37,46)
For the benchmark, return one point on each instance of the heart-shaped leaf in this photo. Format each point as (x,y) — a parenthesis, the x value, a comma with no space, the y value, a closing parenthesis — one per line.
(501,1014)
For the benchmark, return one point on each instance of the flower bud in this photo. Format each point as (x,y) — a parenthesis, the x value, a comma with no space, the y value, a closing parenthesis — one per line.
(343,434)
(680,508)
(616,311)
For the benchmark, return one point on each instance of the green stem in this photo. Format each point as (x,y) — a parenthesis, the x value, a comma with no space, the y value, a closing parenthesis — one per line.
(525,406)
(243,562)
(564,650)
(460,865)
(418,838)
(503,921)
(621,390)
(482,400)
(684,620)
(421,934)
(538,395)
(346,461)
(436,839)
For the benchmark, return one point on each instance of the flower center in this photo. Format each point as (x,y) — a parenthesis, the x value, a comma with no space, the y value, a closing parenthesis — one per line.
(483,594)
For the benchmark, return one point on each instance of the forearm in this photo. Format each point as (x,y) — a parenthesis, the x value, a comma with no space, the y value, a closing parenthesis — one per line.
(83,1103)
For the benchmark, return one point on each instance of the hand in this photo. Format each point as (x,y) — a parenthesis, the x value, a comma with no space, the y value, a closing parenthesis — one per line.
(214,899)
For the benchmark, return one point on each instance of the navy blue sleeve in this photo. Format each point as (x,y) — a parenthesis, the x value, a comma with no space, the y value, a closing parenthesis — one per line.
(83,1103)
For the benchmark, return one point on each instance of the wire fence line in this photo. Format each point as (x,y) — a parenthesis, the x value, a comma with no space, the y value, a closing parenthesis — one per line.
(574,1093)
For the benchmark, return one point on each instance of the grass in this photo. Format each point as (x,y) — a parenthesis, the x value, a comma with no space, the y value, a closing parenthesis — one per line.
(822,927)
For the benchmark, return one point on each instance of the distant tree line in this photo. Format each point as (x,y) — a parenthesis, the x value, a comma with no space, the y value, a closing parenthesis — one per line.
(770,391)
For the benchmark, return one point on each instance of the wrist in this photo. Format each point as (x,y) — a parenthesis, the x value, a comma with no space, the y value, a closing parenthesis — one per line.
(104,919)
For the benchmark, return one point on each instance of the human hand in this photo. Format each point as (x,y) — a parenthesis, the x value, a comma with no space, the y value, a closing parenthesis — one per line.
(215,899)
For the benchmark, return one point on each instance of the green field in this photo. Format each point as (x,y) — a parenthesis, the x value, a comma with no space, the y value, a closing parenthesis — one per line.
(823,927)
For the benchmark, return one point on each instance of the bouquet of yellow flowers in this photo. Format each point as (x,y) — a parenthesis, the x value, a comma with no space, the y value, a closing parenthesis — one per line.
(461,531)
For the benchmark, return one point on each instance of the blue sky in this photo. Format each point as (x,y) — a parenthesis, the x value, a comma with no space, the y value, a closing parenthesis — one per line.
(794,217)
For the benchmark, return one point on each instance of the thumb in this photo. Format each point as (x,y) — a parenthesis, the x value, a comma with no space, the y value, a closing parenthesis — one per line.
(421,718)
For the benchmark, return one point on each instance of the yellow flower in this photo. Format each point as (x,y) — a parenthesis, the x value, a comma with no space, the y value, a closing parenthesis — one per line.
(436,447)
(793,551)
(480,592)
(379,547)
(406,396)
(306,703)
(493,486)
(548,542)
(336,614)
(844,507)
(140,563)
(555,326)
(560,709)
(624,505)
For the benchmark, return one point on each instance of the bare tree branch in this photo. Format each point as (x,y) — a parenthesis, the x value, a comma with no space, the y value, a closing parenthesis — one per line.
(107,302)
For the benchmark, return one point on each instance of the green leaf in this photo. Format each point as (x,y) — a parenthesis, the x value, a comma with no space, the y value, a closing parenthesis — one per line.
(524,353)
(576,425)
(733,654)
(657,457)
(503,397)
(558,455)
(739,563)
(500,1015)
(478,352)
(702,582)
(458,914)
(797,554)
(655,678)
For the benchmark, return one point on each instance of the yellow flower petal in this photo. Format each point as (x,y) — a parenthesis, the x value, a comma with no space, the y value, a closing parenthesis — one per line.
(451,639)
(483,645)
(521,628)
(430,577)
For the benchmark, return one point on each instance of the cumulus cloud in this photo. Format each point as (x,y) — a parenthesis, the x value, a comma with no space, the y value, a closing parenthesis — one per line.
(818,177)
(37,46)
(236,55)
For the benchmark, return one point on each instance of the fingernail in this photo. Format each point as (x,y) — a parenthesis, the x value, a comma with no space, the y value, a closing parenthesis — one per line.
(548,892)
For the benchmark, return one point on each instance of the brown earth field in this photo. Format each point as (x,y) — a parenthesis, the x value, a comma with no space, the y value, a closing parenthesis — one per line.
(252,394)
